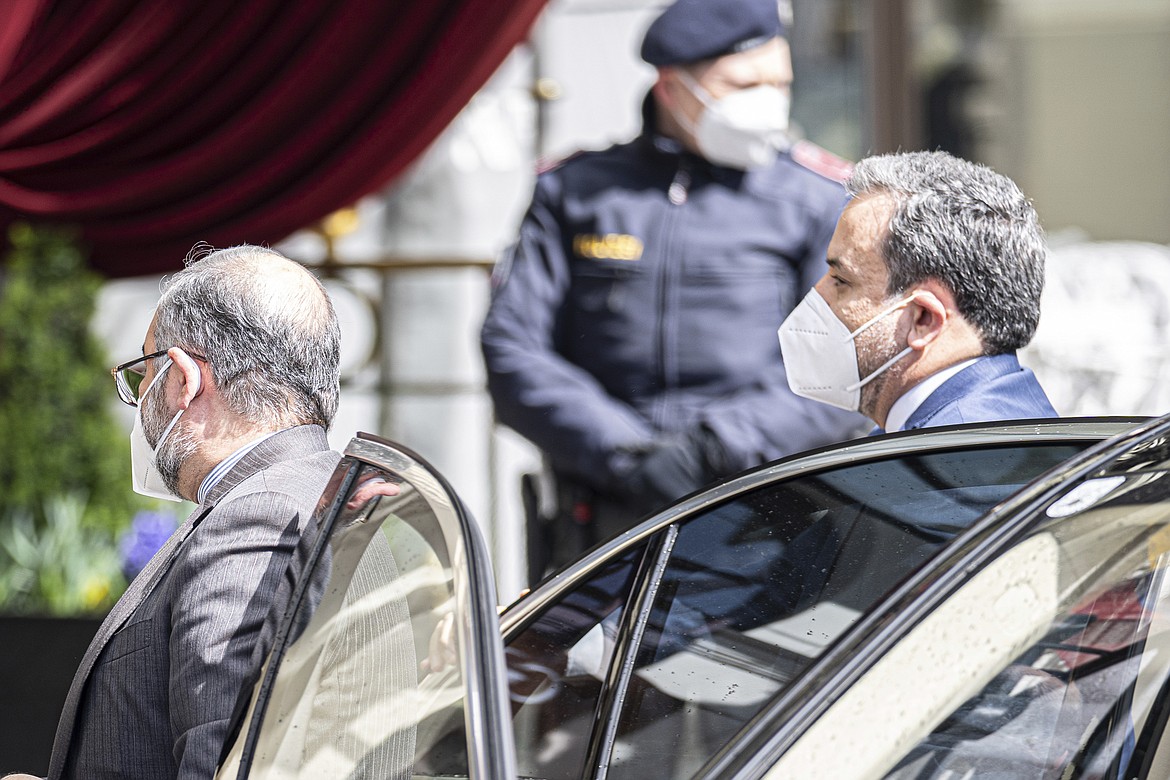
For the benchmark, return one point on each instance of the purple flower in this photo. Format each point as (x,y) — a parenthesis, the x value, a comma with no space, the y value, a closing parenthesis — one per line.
(147,533)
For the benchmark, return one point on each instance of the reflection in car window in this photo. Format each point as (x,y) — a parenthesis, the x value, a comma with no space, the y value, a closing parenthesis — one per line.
(363,690)
(758,587)
(1152,455)
(556,667)
(1085,699)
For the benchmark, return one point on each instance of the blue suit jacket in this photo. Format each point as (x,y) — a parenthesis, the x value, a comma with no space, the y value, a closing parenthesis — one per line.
(992,388)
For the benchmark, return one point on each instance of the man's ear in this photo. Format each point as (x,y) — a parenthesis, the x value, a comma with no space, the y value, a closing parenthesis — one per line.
(930,316)
(662,88)
(192,376)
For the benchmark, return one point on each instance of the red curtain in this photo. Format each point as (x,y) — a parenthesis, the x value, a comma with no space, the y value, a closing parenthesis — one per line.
(155,124)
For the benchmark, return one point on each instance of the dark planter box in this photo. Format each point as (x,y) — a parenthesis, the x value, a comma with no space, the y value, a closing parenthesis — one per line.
(38,657)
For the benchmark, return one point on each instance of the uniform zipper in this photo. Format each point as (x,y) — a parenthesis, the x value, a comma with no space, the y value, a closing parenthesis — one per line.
(680,184)
(676,194)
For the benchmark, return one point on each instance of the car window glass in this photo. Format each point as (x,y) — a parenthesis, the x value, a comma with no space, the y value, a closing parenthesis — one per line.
(758,587)
(1084,699)
(372,683)
(556,669)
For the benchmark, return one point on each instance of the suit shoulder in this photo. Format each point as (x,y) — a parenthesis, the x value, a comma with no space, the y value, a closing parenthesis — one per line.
(302,478)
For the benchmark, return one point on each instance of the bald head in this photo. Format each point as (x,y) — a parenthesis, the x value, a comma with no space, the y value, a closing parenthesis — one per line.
(267,329)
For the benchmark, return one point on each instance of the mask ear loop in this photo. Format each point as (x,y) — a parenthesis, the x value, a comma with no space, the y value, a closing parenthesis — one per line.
(700,94)
(903,303)
(878,317)
(167,431)
(157,376)
(880,369)
(178,414)
(695,88)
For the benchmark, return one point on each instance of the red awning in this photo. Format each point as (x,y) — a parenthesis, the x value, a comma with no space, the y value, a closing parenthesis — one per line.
(155,125)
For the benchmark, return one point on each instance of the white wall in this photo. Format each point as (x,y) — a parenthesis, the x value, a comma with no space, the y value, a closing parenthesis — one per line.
(1084,112)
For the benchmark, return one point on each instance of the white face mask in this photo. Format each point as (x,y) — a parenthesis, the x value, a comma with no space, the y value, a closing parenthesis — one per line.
(147,480)
(743,129)
(820,356)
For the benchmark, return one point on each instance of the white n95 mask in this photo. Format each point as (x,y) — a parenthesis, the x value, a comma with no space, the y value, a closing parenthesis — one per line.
(147,480)
(820,356)
(743,129)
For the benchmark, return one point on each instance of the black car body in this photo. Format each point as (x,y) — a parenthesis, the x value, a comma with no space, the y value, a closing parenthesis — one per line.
(978,601)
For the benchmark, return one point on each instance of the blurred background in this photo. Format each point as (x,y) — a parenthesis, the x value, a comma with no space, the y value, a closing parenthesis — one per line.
(1067,97)
(392,147)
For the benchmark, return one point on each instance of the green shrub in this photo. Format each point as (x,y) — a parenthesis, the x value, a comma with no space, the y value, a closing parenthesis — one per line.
(64,458)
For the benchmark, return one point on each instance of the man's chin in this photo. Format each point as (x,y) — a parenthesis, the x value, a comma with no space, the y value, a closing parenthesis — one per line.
(175,454)
(872,394)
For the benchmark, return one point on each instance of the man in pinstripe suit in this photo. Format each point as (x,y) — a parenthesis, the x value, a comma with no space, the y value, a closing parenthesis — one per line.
(236,387)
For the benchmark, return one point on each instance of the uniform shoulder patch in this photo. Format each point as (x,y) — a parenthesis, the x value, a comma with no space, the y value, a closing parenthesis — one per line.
(546,164)
(820,160)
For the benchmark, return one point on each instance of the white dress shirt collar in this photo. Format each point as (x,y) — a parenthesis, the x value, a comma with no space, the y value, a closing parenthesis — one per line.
(913,398)
(224,466)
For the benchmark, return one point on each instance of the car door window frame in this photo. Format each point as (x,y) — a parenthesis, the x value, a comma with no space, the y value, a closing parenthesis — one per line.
(487,712)
(634,620)
(519,616)
(636,617)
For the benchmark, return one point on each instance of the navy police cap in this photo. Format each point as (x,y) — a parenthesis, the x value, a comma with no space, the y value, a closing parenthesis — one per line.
(693,30)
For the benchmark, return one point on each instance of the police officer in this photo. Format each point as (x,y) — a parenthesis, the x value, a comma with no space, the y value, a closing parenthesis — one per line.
(632,329)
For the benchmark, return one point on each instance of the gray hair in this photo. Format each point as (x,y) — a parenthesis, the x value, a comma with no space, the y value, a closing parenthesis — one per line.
(968,227)
(267,328)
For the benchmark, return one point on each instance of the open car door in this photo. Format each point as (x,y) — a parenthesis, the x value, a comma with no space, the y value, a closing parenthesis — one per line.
(388,661)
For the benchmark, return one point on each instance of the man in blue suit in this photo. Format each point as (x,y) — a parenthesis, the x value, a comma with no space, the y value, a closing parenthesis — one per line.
(934,281)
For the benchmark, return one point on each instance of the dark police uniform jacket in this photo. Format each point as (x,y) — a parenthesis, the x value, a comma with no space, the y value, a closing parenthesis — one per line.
(643,296)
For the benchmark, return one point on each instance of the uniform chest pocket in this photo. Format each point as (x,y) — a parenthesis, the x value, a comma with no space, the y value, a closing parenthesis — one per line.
(738,263)
(606,285)
(129,639)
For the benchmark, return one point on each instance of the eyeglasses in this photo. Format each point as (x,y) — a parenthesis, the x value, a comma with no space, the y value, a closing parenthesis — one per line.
(128,376)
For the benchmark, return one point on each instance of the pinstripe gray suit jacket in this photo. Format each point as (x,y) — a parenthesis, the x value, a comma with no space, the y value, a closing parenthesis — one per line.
(156,688)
